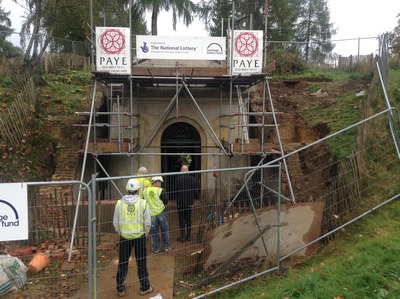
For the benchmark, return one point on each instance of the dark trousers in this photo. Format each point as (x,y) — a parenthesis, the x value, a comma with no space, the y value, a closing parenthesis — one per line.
(125,249)
(185,221)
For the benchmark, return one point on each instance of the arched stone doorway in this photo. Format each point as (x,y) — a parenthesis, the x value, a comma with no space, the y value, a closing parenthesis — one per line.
(180,137)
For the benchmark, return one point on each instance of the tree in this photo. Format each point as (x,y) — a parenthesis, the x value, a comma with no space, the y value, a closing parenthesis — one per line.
(138,23)
(282,20)
(283,15)
(217,15)
(6,47)
(394,39)
(315,30)
(181,9)
(30,41)
(299,27)
(64,25)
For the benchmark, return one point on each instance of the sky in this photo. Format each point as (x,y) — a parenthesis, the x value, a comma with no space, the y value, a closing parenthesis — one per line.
(360,21)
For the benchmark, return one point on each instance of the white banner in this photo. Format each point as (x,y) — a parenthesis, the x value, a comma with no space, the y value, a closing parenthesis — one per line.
(13,211)
(113,54)
(179,48)
(247,52)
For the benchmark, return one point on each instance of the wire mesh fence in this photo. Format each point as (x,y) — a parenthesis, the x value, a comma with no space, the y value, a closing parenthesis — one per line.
(243,226)
(47,252)
(349,188)
(182,265)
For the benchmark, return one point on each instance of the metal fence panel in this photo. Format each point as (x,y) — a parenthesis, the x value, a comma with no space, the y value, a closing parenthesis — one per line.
(330,193)
(212,210)
(51,212)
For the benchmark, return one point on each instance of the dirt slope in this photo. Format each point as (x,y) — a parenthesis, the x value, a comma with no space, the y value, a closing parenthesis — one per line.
(291,99)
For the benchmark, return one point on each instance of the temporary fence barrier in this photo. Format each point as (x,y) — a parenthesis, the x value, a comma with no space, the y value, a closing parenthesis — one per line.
(226,247)
(51,238)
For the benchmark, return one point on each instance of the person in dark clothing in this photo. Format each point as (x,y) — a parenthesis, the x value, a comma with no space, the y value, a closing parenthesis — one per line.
(185,191)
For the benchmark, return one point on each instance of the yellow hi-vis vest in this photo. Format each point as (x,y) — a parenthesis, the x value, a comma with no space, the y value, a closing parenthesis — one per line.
(144,183)
(152,195)
(131,219)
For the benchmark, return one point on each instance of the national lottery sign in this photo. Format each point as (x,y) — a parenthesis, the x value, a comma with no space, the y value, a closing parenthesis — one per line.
(180,48)
(13,211)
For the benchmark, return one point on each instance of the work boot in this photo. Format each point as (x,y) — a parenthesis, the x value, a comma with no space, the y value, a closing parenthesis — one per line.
(182,237)
(149,290)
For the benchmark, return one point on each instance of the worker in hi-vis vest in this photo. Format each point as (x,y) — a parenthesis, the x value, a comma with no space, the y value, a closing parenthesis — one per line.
(133,223)
(156,198)
(144,181)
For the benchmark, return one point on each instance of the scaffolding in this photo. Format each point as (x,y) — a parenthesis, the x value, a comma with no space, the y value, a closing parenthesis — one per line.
(116,125)
(125,125)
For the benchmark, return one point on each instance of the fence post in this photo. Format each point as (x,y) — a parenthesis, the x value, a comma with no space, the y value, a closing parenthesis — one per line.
(90,247)
(92,241)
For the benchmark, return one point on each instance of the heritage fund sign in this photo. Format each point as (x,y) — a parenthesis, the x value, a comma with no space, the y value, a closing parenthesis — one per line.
(113,53)
(247,52)
(198,48)
(13,211)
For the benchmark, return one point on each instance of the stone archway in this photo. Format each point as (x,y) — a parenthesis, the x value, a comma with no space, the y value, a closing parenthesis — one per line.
(179,137)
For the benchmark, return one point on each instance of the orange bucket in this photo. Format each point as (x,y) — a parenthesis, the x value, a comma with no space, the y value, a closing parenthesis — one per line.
(38,263)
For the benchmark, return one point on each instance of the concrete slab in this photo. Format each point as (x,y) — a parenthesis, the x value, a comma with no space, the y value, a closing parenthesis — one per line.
(299,224)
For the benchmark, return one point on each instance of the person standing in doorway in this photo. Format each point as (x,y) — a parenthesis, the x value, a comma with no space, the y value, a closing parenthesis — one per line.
(157,200)
(144,181)
(132,222)
(185,192)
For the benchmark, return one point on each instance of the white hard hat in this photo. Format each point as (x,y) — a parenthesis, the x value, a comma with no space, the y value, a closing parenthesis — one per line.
(142,170)
(157,178)
(132,185)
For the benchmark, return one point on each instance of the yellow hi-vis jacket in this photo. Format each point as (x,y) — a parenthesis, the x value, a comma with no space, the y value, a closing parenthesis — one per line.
(144,183)
(131,222)
(152,196)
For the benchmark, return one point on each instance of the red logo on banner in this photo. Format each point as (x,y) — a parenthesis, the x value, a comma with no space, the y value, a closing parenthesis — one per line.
(246,44)
(112,41)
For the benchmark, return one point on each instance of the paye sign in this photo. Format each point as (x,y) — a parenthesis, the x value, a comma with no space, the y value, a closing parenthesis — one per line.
(113,54)
(13,211)
(247,52)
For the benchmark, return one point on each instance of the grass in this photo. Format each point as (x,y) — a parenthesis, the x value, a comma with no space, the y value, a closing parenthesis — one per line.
(338,114)
(362,262)
(29,162)
(327,75)
(7,92)
(64,92)
(395,87)
(60,96)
